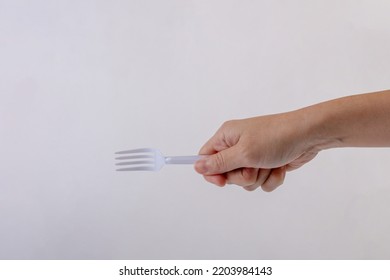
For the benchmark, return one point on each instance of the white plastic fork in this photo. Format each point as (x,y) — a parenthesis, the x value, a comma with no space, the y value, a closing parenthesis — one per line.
(148,159)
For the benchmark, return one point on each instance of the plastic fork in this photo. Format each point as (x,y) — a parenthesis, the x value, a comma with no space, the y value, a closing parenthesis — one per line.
(148,159)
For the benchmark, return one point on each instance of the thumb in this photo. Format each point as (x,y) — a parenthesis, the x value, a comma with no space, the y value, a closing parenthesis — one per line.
(219,163)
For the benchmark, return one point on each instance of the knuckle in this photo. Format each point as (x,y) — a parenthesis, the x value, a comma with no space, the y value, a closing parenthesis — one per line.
(249,176)
(267,188)
(243,177)
(275,180)
(219,161)
(224,126)
(227,125)
(251,188)
(216,180)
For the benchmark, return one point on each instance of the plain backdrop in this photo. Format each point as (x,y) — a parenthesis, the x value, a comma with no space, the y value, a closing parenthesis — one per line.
(80,80)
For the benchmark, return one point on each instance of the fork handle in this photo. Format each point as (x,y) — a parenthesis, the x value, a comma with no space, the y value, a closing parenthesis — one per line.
(182,159)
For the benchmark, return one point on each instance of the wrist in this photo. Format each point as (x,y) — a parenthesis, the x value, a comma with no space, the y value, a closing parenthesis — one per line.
(319,128)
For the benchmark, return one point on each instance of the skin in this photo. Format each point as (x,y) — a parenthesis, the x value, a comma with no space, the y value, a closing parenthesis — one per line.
(260,151)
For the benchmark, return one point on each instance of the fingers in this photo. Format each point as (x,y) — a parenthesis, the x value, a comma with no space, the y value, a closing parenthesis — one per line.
(219,179)
(219,163)
(268,179)
(247,177)
(262,177)
(226,136)
(251,178)
(222,150)
(275,179)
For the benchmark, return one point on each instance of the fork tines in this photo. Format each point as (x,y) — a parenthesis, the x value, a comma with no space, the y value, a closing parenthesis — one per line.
(138,159)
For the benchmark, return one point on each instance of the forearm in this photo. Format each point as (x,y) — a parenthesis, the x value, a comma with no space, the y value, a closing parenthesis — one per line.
(354,121)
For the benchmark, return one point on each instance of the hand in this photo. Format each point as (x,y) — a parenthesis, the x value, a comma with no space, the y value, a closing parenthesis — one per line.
(256,152)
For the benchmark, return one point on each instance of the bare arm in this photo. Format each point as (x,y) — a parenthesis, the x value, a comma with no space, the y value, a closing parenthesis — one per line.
(354,121)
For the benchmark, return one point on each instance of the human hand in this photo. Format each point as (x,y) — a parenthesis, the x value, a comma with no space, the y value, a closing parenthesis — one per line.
(256,151)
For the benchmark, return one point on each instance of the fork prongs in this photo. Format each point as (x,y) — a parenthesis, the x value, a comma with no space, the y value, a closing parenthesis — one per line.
(142,150)
(136,160)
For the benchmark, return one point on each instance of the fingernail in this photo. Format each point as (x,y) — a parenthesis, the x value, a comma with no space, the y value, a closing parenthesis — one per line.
(201,166)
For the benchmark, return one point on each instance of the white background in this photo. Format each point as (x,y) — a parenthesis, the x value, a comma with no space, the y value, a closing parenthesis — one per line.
(80,80)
